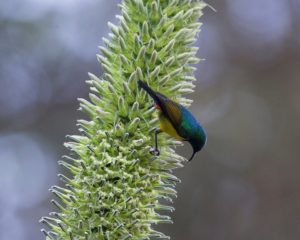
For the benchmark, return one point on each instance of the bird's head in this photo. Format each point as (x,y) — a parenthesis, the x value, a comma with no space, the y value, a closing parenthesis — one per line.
(197,141)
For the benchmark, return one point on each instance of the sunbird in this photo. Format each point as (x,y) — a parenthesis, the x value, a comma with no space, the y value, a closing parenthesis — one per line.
(175,120)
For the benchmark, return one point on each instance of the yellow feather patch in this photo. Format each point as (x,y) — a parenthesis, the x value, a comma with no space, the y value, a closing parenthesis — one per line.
(167,127)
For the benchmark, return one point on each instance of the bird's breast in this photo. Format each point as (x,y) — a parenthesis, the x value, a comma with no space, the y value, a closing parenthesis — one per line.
(167,127)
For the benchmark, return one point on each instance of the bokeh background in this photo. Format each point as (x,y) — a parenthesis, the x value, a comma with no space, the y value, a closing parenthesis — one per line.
(244,185)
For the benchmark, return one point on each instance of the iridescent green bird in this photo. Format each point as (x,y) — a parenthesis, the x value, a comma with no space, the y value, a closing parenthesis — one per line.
(176,120)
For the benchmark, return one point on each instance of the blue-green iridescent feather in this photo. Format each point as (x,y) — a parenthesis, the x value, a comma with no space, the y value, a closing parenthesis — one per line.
(191,129)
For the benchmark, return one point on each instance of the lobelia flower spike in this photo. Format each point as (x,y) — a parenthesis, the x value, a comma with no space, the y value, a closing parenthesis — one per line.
(116,185)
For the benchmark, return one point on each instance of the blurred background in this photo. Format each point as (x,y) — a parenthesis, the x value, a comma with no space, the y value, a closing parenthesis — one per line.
(244,185)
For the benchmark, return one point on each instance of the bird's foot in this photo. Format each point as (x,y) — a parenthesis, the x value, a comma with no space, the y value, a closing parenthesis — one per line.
(154,151)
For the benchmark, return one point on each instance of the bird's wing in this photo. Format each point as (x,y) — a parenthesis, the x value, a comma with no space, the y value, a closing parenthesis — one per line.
(173,112)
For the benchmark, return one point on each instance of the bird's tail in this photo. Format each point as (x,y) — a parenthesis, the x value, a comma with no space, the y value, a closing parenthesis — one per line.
(149,90)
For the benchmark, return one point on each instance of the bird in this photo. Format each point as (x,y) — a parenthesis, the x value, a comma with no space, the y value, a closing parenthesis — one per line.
(175,120)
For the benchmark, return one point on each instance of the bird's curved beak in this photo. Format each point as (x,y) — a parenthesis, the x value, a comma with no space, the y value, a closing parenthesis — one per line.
(194,152)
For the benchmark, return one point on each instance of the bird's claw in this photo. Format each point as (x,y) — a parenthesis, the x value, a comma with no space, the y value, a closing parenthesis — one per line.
(154,151)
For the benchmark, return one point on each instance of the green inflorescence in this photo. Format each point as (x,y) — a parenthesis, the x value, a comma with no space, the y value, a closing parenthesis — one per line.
(118,190)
